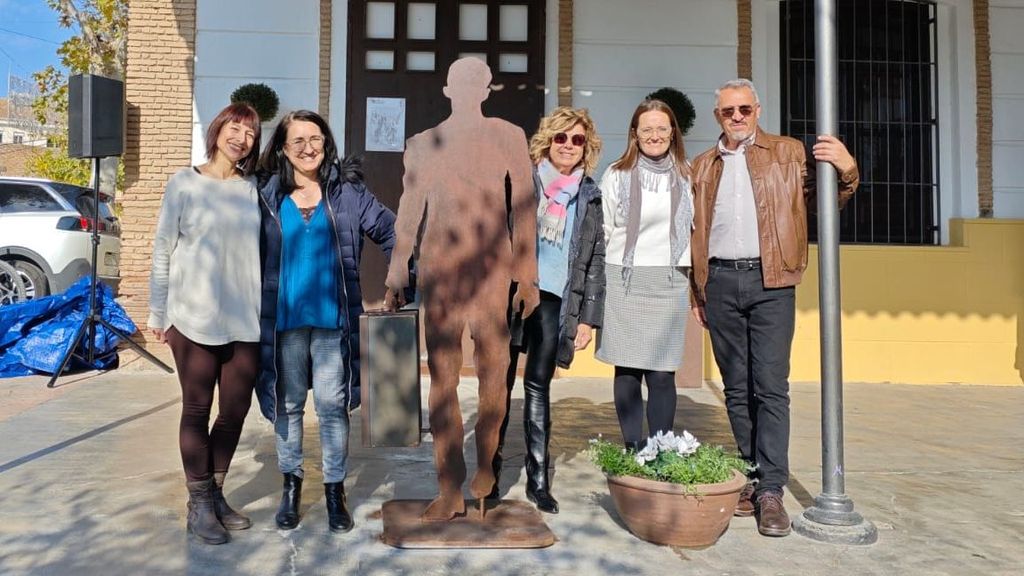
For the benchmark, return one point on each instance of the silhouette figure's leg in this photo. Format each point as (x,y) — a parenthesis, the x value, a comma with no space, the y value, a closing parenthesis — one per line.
(491,345)
(444,359)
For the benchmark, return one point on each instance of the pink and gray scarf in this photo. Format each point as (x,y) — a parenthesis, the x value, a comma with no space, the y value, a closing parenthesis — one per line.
(558,191)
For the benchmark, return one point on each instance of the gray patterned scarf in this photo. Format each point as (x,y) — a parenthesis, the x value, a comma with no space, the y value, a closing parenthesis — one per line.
(645,175)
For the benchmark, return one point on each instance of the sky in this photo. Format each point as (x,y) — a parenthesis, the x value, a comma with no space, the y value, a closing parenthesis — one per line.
(29,38)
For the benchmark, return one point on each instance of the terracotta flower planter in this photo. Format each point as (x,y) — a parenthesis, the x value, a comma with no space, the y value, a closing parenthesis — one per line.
(666,513)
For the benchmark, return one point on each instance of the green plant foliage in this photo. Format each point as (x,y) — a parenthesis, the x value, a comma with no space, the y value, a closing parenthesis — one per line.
(707,465)
(99,47)
(259,96)
(680,104)
(54,164)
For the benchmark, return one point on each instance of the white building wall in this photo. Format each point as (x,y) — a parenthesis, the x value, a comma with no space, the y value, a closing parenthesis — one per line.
(339,71)
(243,41)
(1006,23)
(625,50)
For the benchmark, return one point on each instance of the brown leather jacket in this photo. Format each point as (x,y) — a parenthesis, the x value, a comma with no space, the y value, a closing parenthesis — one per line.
(784,185)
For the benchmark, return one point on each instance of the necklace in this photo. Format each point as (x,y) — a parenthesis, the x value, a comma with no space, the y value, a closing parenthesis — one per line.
(306,197)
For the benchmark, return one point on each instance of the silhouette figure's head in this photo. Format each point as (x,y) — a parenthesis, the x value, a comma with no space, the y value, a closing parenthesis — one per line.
(468,82)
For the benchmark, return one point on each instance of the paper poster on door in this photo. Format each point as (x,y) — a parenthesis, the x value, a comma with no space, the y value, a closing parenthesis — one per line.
(385,124)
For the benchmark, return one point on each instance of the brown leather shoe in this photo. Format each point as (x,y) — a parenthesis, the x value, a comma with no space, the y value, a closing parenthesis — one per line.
(772,519)
(745,507)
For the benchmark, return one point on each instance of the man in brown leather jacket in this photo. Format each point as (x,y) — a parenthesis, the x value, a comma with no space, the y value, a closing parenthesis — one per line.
(749,246)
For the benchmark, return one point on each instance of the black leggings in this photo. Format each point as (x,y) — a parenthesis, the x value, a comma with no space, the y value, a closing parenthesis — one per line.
(661,402)
(232,368)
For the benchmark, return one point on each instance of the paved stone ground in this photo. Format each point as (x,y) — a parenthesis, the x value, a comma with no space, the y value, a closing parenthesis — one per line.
(90,483)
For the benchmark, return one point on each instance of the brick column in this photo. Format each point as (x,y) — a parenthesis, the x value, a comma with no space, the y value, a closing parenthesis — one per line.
(565,40)
(325,58)
(158,90)
(744,46)
(983,71)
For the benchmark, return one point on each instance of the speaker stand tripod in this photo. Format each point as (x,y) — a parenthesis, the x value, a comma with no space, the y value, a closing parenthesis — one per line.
(95,315)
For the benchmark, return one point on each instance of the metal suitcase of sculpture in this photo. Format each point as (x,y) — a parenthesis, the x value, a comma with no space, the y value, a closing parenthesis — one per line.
(389,347)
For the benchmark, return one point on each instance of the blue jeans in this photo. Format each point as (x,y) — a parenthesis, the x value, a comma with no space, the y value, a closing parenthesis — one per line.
(326,352)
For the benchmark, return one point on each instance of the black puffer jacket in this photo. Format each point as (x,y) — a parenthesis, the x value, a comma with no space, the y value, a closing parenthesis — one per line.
(583,297)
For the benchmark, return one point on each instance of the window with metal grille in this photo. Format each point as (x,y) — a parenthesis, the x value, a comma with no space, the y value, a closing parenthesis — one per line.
(887,113)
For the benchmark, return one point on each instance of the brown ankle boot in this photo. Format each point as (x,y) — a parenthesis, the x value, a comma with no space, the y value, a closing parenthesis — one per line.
(202,520)
(229,518)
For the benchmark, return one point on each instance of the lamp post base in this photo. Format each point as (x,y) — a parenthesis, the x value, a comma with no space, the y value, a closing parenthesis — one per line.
(833,520)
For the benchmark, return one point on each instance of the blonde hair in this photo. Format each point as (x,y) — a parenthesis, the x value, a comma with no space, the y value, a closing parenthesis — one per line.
(563,119)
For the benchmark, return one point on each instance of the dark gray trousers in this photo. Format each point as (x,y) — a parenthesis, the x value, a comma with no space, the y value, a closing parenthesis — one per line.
(751,335)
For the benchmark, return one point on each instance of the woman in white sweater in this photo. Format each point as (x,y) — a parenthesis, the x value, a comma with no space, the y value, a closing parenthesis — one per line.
(205,303)
(648,214)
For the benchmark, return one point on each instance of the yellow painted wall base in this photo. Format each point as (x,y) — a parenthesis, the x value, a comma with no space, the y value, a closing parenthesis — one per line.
(914,314)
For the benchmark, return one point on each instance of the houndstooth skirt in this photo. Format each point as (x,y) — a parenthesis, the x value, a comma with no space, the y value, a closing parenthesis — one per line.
(646,327)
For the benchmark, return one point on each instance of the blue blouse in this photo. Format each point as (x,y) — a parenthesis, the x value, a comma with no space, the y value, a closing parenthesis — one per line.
(308,291)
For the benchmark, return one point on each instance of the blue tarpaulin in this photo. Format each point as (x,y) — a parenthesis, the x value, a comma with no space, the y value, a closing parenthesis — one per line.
(35,335)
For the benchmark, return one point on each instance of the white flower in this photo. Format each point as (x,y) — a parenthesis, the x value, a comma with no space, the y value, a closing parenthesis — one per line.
(686,444)
(667,441)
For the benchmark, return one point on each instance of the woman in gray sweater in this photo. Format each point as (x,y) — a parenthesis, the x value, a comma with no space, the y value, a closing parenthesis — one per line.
(205,303)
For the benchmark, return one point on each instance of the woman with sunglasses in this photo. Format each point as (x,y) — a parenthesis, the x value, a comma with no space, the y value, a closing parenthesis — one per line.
(648,215)
(204,302)
(316,211)
(570,262)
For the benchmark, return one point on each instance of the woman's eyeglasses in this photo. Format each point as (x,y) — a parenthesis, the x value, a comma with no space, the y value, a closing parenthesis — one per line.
(651,132)
(728,111)
(562,138)
(299,144)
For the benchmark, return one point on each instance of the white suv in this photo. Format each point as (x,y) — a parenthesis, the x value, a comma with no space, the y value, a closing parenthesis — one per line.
(45,230)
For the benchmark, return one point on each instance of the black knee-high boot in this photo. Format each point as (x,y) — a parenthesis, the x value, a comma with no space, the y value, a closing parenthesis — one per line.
(537,421)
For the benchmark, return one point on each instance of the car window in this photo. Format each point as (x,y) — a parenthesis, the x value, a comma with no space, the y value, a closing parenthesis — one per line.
(17,197)
(81,198)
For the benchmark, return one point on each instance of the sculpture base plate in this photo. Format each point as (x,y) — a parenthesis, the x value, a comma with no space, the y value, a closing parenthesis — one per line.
(506,524)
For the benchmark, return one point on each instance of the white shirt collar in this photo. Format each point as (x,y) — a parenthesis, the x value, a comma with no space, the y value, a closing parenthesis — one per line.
(741,149)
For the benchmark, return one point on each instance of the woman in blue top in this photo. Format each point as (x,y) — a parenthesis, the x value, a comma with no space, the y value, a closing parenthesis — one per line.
(316,212)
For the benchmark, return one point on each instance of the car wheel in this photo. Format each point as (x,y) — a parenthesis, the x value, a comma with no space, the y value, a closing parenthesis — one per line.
(34,279)
(12,288)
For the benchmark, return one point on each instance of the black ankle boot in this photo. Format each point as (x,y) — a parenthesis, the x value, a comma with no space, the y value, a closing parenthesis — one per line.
(202,520)
(229,517)
(287,516)
(338,518)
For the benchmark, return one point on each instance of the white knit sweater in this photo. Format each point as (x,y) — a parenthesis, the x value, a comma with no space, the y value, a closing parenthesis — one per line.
(206,269)
(653,246)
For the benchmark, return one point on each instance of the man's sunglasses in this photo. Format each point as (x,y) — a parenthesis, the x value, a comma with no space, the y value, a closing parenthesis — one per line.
(562,138)
(728,111)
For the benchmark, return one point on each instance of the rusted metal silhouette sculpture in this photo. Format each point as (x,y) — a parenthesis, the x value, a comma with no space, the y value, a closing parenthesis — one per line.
(454,212)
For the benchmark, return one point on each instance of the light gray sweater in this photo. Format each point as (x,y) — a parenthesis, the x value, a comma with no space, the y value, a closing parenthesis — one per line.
(206,269)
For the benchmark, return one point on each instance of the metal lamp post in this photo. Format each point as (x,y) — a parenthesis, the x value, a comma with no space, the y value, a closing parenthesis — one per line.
(832,518)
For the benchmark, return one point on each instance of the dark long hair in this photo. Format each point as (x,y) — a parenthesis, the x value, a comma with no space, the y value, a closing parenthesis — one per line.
(274,161)
(629,158)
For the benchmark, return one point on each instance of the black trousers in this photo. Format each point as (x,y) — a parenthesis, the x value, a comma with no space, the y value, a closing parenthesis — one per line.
(752,335)
(540,339)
